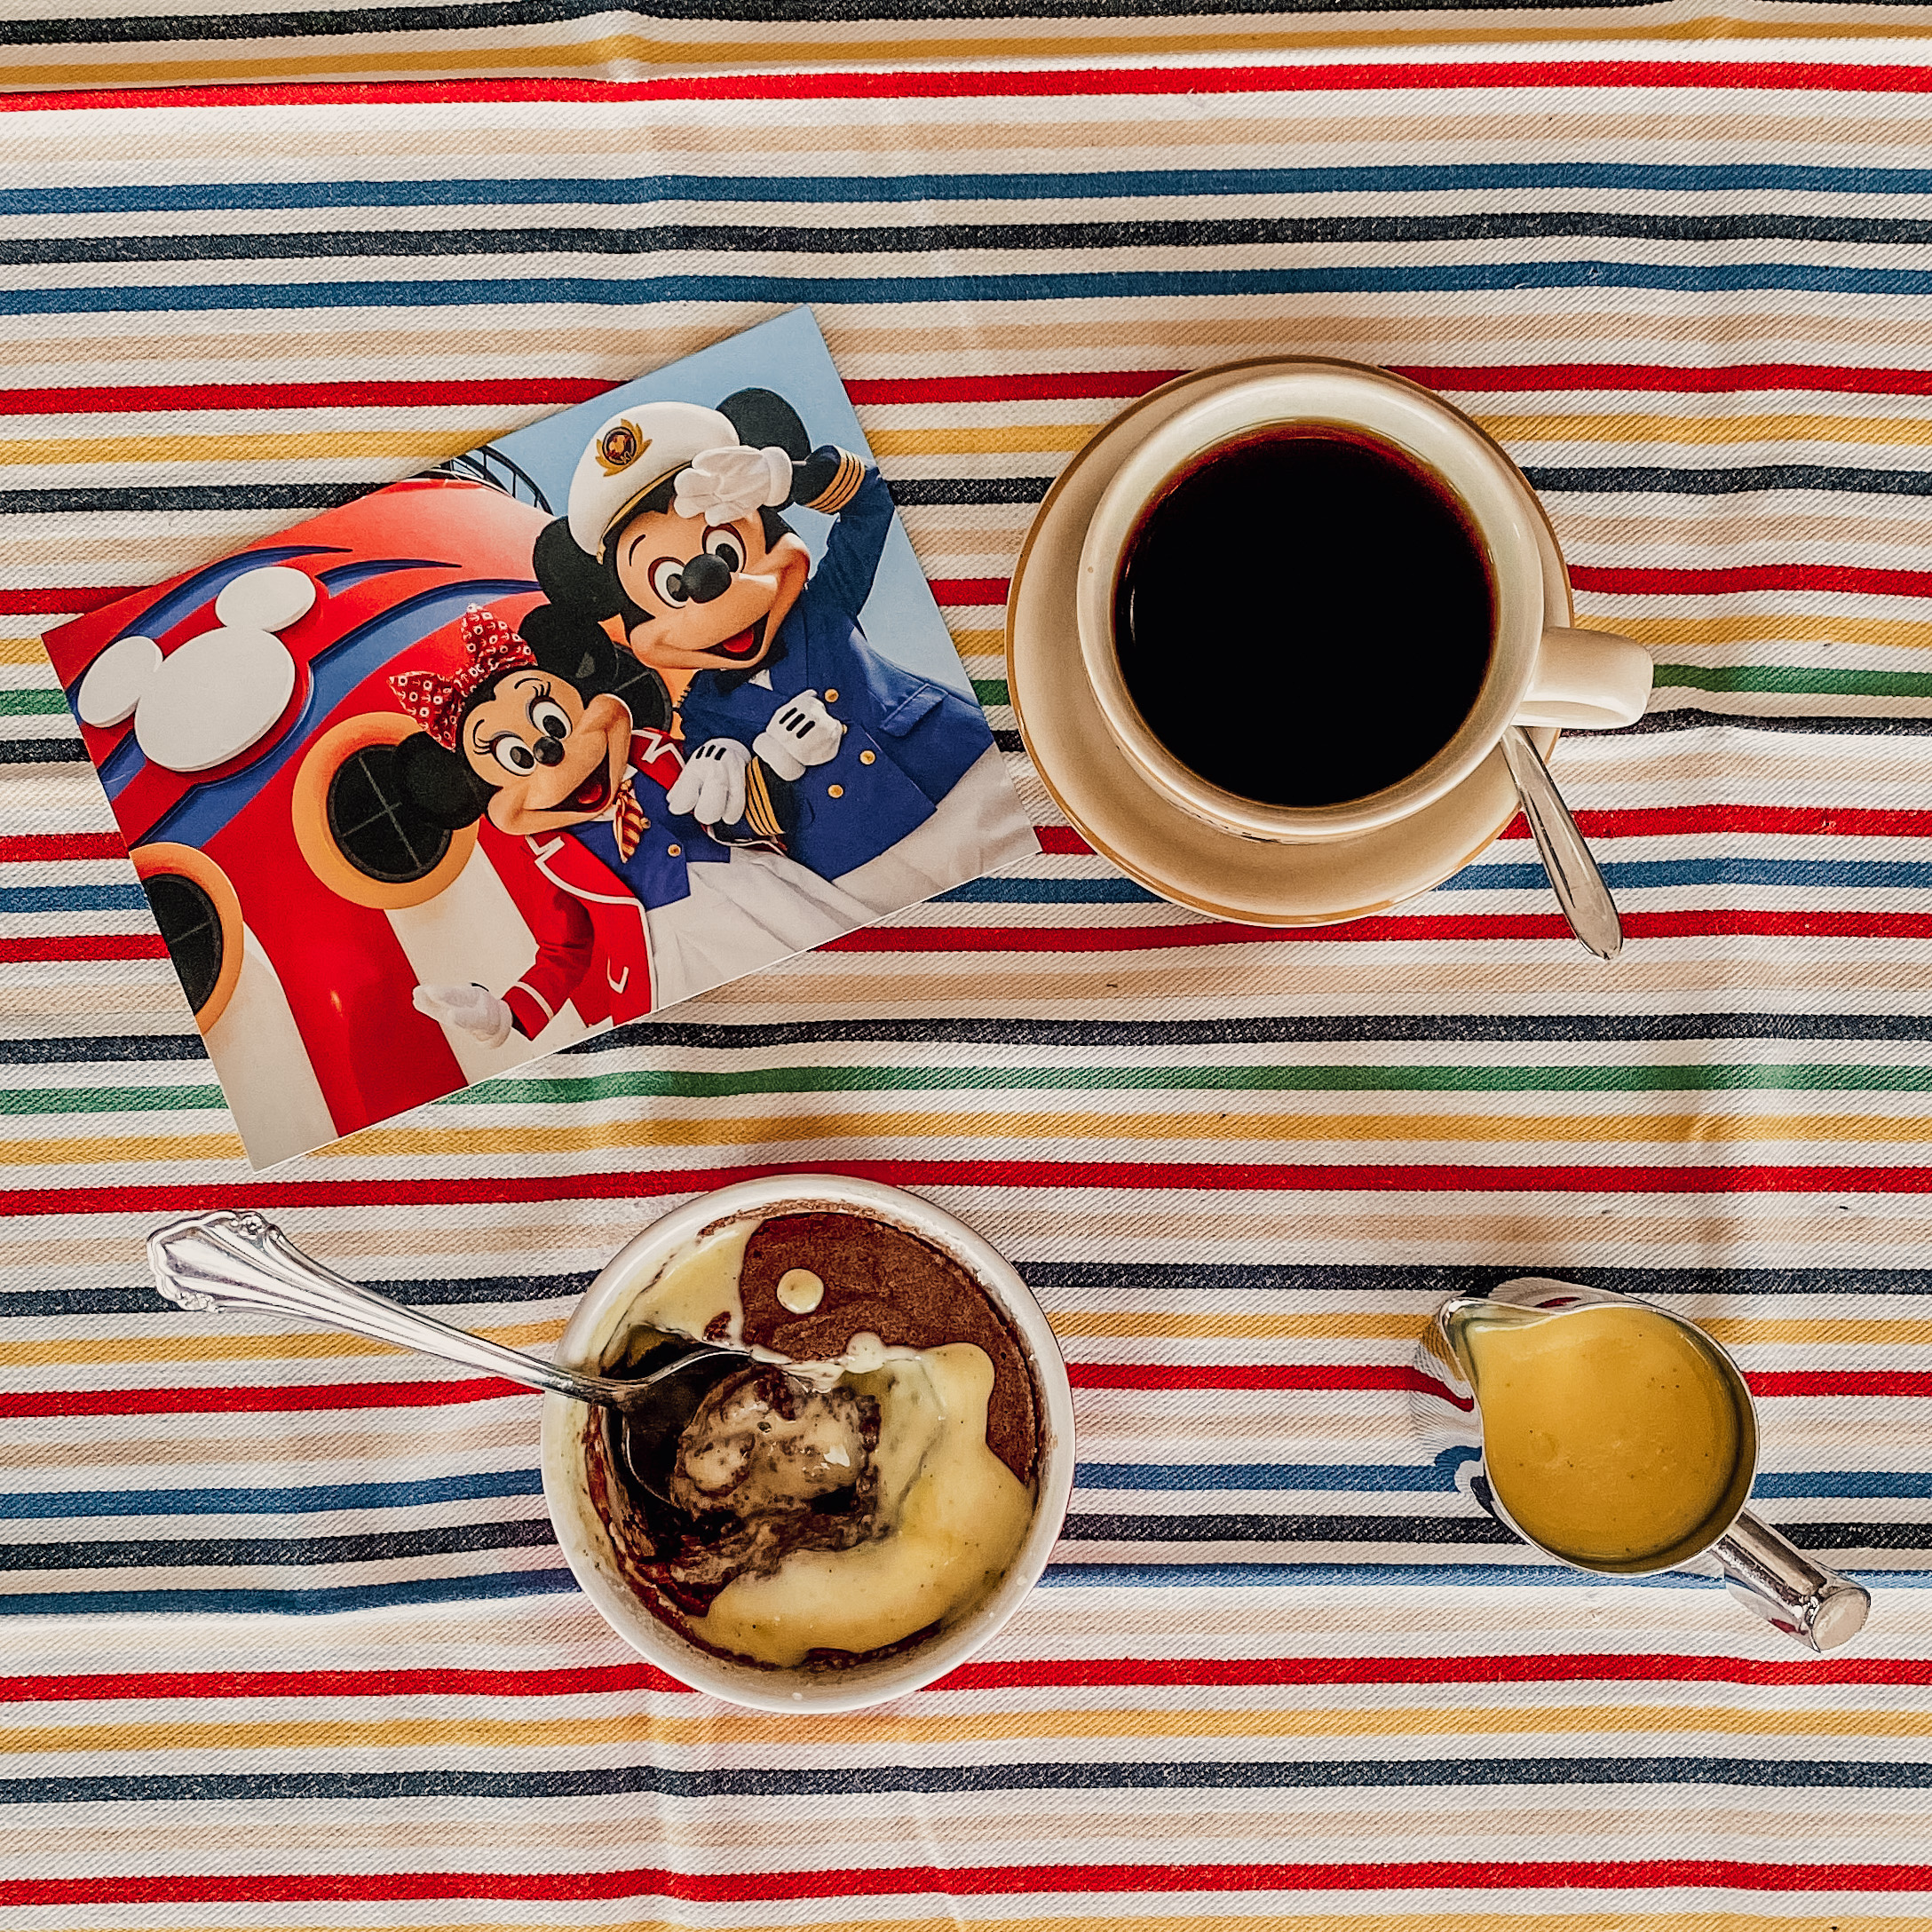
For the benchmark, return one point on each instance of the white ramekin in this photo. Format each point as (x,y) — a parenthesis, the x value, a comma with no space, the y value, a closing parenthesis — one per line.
(599,1318)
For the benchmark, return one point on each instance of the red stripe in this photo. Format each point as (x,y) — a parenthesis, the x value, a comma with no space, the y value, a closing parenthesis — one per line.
(61,600)
(1244,1376)
(1249,1375)
(1049,386)
(978,1881)
(299,396)
(1689,382)
(1845,579)
(1744,76)
(1288,1177)
(256,1396)
(1713,923)
(85,946)
(1062,839)
(30,845)
(1676,821)
(969,590)
(1067,1672)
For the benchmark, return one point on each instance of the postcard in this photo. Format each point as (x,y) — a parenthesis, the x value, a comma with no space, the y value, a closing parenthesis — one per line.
(642,698)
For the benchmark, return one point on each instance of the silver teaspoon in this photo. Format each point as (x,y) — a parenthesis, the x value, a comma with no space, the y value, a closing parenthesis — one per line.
(1567,859)
(223,1259)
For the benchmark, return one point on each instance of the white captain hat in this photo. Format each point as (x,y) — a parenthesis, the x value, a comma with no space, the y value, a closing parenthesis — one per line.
(637,450)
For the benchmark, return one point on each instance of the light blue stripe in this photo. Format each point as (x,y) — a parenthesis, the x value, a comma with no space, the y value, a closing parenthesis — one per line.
(1629,876)
(72,899)
(788,290)
(53,1505)
(315,1603)
(1119,184)
(1634,875)
(1246,1575)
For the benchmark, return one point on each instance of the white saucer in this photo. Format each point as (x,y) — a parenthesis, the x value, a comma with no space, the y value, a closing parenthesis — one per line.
(1250,881)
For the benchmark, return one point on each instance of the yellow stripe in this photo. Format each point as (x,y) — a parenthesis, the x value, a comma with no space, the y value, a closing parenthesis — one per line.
(294,445)
(1135,1324)
(1784,427)
(1069,1325)
(748,1131)
(1767,626)
(1011,438)
(22,651)
(970,641)
(307,1346)
(1351,1720)
(480,56)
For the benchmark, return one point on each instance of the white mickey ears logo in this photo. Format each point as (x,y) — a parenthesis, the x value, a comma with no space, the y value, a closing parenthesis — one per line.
(217,693)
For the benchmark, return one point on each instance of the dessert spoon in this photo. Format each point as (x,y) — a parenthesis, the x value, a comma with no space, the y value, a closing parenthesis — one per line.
(223,1259)
(1566,856)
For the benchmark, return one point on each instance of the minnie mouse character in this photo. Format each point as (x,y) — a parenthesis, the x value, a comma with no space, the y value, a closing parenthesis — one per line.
(872,776)
(528,733)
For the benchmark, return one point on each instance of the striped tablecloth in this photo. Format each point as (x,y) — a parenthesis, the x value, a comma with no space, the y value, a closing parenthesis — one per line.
(291,1644)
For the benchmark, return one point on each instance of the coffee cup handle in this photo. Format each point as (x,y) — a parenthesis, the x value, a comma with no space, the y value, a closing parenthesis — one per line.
(1588,680)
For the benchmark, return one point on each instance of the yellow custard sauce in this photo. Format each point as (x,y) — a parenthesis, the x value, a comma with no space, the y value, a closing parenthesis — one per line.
(1609,1435)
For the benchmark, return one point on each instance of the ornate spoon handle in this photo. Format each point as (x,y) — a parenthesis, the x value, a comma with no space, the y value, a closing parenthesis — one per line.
(225,1260)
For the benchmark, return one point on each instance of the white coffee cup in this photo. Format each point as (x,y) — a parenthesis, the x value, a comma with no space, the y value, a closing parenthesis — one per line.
(1539,673)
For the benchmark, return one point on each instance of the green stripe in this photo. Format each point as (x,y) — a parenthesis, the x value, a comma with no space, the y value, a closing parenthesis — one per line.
(809,1079)
(1798,680)
(106,1099)
(31,703)
(991,691)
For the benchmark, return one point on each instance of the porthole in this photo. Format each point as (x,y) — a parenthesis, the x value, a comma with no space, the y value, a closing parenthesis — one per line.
(199,916)
(358,832)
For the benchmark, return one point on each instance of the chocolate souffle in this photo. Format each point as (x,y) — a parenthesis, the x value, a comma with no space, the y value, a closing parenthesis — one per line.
(839,1513)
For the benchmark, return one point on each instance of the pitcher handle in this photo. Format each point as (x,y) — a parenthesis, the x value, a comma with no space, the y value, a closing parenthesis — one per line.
(1775,1579)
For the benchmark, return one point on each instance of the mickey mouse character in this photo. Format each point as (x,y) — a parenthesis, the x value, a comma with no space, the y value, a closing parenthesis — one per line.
(528,733)
(872,776)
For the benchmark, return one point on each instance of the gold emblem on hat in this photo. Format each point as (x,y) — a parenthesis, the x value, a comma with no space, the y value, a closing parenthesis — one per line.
(620,446)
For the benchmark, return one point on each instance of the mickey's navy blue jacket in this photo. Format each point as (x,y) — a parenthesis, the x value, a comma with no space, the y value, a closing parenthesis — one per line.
(907,740)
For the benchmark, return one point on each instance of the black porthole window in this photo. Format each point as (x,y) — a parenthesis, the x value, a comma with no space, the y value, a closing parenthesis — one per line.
(374,826)
(191,928)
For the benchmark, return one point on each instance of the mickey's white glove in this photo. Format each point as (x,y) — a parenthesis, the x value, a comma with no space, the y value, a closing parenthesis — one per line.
(711,786)
(723,485)
(801,731)
(475,1011)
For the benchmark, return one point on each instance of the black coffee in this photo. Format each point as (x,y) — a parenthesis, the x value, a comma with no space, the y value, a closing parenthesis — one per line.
(1303,619)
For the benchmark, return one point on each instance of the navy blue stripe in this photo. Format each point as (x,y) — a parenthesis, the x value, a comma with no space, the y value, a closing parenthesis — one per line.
(1073,286)
(42,751)
(1123,184)
(55,1505)
(1204,233)
(497,1289)
(274,1552)
(315,1786)
(1731,482)
(1365,1477)
(1151,1034)
(72,899)
(1430,1282)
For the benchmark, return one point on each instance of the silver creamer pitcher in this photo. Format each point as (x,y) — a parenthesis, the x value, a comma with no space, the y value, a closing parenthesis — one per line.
(1763,1572)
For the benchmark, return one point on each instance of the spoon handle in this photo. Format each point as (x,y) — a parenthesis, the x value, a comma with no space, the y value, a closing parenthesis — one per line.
(1778,1580)
(1573,876)
(224,1259)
